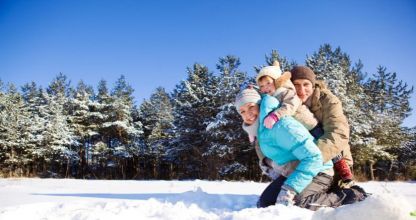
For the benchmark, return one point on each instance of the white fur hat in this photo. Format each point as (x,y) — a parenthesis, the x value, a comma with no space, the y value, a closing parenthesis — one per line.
(273,71)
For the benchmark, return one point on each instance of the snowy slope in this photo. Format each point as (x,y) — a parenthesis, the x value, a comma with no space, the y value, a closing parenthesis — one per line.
(100,199)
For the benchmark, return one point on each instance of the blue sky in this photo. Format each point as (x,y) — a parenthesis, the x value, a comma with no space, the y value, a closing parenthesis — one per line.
(152,42)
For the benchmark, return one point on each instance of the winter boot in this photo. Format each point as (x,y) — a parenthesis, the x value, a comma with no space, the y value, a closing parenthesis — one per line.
(352,196)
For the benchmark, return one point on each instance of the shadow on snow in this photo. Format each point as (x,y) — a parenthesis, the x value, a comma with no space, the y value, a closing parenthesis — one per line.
(206,201)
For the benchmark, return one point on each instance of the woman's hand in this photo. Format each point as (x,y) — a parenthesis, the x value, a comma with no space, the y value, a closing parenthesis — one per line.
(286,196)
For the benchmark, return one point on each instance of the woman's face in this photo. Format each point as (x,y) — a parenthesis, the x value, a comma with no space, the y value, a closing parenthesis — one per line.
(304,89)
(249,112)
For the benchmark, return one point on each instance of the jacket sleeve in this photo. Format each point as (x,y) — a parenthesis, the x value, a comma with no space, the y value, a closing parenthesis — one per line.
(289,102)
(310,165)
(336,128)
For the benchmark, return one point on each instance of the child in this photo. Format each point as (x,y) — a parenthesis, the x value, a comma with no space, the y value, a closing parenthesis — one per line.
(291,147)
(271,81)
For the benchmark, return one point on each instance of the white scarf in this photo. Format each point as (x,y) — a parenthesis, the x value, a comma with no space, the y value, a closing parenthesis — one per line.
(251,129)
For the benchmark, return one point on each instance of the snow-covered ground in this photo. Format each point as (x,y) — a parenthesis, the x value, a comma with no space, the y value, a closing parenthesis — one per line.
(100,199)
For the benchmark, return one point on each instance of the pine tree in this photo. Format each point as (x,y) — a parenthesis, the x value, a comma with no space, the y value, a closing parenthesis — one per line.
(388,100)
(407,154)
(285,65)
(118,128)
(228,146)
(344,81)
(83,122)
(59,138)
(193,101)
(60,86)
(14,136)
(156,116)
(36,104)
(101,148)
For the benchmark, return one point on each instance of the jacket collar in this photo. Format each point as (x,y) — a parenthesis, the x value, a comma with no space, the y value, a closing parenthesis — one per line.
(314,103)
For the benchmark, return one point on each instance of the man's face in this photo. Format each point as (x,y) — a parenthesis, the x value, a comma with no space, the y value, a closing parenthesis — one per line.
(266,85)
(304,89)
(249,112)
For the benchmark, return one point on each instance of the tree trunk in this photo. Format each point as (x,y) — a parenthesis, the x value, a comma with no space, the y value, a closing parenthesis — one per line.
(371,170)
(67,168)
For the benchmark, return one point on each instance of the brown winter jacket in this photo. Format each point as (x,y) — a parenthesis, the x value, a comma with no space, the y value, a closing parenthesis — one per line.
(327,108)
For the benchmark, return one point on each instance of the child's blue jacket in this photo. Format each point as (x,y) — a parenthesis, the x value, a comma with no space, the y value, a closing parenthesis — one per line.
(289,140)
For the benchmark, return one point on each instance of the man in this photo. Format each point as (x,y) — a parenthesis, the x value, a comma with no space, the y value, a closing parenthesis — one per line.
(327,108)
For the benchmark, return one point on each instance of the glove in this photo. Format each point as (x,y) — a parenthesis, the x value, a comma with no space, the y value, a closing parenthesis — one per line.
(343,170)
(286,196)
(267,169)
(270,120)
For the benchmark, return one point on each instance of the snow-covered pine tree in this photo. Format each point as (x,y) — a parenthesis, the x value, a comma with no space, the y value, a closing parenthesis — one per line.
(334,68)
(157,119)
(36,104)
(60,86)
(193,107)
(360,119)
(59,136)
(100,149)
(407,154)
(388,100)
(229,153)
(285,65)
(83,121)
(14,133)
(118,127)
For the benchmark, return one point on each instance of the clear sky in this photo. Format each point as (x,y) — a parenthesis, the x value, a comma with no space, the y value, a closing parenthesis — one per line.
(152,42)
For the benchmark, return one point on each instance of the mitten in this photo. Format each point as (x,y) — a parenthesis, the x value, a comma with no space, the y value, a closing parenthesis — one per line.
(286,196)
(270,120)
(267,169)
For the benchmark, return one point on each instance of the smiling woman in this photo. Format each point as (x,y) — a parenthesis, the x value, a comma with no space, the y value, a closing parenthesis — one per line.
(247,105)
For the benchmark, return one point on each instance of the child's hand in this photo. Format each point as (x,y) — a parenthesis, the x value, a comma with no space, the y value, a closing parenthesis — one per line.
(270,120)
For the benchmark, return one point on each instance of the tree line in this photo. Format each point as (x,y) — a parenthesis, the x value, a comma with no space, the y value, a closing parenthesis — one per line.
(194,131)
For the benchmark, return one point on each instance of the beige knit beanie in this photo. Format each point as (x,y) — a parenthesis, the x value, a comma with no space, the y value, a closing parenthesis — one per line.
(273,71)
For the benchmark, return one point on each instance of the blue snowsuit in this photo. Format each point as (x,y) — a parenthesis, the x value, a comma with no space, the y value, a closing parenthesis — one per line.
(287,141)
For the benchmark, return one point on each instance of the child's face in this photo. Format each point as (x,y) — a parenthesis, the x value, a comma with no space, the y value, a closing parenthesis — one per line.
(249,112)
(304,89)
(266,85)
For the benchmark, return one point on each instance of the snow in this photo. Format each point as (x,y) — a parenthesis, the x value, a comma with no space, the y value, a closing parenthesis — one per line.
(129,199)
